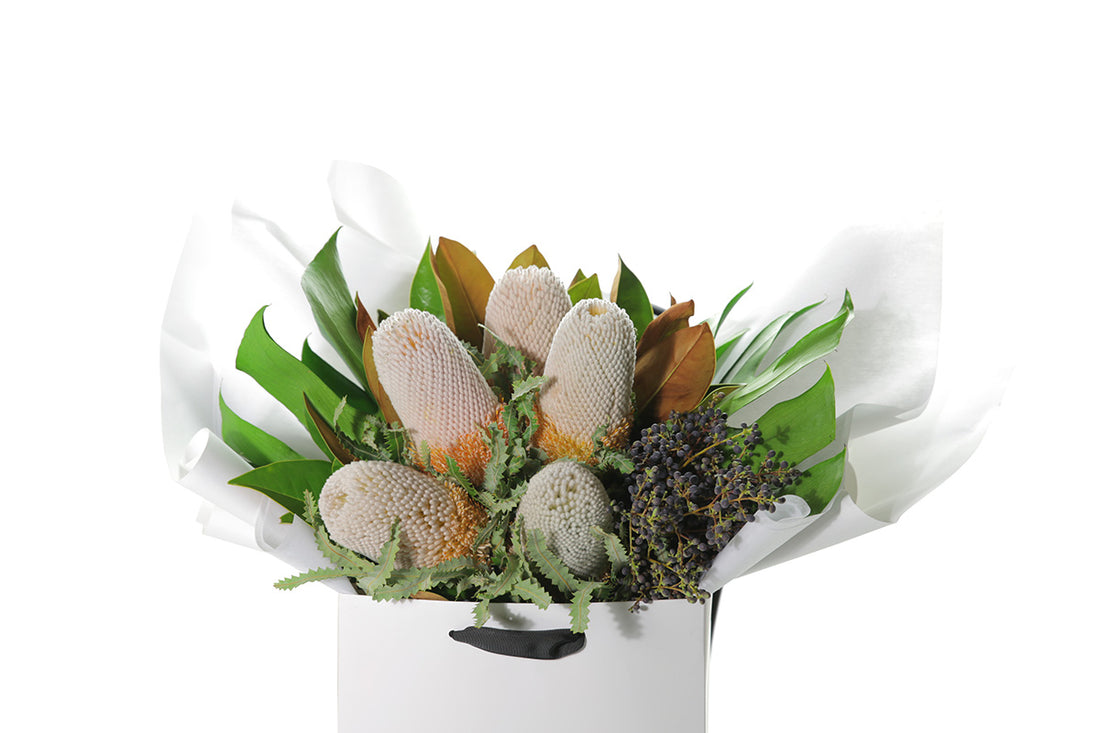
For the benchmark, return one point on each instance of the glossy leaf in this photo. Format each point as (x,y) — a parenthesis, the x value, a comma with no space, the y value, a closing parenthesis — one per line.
(728,354)
(467,284)
(811,347)
(627,292)
(729,307)
(425,293)
(668,322)
(356,396)
(286,379)
(332,305)
(287,481)
(675,374)
(589,287)
(375,384)
(332,440)
(750,359)
(250,442)
(363,321)
(528,257)
(819,483)
(577,278)
(803,425)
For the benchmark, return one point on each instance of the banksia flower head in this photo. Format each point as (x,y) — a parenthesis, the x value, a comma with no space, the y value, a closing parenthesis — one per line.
(524,310)
(360,502)
(590,381)
(565,500)
(436,389)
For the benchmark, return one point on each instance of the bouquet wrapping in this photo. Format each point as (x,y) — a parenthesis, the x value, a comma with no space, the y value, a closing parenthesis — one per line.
(902,427)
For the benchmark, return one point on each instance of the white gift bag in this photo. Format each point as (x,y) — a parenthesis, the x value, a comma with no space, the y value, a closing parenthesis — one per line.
(400,668)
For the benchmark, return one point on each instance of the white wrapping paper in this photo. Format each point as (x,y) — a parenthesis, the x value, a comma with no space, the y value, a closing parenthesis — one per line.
(907,426)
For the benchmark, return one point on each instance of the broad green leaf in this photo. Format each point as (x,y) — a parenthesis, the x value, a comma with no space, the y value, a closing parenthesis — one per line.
(727,354)
(333,307)
(748,363)
(467,284)
(627,292)
(528,257)
(287,379)
(811,347)
(729,307)
(425,294)
(332,440)
(589,287)
(357,397)
(577,278)
(286,482)
(800,427)
(819,483)
(250,442)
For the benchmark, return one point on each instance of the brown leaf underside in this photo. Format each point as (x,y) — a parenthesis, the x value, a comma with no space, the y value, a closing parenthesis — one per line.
(674,374)
(467,284)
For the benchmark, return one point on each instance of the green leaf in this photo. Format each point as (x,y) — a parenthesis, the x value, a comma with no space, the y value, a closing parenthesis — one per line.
(548,563)
(589,287)
(528,384)
(356,396)
(800,427)
(333,306)
(728,308)
(387,558)
(425,294)
(616,553)
(819,483)
(250,442)
(581,605)
(748,363)
(287,379)
(811,347)
(481,612)
(404,583)
(627,292)
(726,355)
(529,590)
(528,257)
(310,576)
(287,481)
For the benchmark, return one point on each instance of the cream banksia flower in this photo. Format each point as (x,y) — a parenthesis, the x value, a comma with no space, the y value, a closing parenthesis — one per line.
(524,310)
(565,500)
(436,389)
(590,381)
(360,502)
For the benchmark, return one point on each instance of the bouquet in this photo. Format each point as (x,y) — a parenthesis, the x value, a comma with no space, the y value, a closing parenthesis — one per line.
(461,435)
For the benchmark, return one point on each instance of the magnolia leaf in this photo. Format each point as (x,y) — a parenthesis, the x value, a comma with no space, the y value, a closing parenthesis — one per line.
(528,257)
(588,287)
(748,363)
(287,482)
(670,321)
(811,347)
(577,278)
(627,292)
(819,483)
(253,444)
(427,595)
(467,284)
(332,440)
(675,374)
(363,321)
(425,293)
(800,427)
(333,309)
(375,384)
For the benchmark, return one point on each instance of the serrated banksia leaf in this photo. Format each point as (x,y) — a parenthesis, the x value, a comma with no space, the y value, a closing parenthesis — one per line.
(436,389)
(524,310)
(360,502)
(590,381)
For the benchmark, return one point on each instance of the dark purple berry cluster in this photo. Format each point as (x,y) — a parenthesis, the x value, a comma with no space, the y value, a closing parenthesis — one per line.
(696,482)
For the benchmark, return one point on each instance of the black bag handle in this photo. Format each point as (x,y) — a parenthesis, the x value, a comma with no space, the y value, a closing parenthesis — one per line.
(539,644)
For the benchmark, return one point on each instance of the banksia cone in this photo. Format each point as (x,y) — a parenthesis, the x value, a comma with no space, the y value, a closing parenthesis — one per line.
(565,500)
(360,502)
(524,310)
(436,389)
(590,381)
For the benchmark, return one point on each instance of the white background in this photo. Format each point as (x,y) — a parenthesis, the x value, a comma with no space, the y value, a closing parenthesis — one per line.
(715,135)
